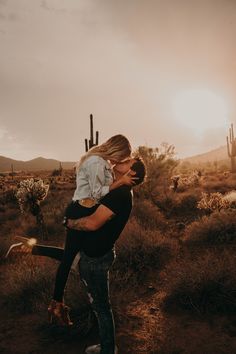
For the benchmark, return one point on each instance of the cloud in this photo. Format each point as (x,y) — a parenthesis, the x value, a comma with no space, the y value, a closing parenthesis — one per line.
(13,17)
(3,2)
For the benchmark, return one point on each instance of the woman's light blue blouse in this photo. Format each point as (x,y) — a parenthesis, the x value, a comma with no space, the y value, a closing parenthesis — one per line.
(93,179)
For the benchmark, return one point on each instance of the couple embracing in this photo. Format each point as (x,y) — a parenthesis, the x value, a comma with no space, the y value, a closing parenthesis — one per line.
(94,220)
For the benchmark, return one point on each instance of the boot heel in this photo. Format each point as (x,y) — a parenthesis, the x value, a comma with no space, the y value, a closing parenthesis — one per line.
(58,313)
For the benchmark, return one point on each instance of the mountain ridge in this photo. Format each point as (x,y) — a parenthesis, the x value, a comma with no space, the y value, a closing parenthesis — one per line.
(36,164)
(42,163)
(218,154)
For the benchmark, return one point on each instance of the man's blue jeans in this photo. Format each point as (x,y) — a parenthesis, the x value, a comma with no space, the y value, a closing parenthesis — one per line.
(94,273)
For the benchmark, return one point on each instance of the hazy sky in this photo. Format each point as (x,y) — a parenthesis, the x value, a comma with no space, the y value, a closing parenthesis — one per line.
(154,70)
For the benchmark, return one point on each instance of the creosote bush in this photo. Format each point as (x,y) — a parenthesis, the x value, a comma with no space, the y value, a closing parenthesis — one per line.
(149,215)
(219,228)
(141,250)
(203,285)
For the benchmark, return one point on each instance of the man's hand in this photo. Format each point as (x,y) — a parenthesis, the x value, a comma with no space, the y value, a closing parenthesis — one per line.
(92,222)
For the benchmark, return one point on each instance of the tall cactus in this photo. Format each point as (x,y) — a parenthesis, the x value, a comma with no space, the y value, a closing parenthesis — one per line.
(231,147)
(89,144)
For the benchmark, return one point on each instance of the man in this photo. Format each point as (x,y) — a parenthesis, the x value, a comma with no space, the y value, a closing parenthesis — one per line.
(103,228)
(99,233)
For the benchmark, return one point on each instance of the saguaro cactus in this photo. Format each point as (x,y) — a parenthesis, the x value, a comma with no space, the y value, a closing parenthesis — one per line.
(89,144)
(231,147)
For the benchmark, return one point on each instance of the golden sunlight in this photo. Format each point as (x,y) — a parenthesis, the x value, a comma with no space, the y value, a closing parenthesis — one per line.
(200,110)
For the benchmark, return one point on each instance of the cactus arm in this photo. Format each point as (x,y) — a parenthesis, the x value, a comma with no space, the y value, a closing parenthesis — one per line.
(86,144)
(232,130)
(229,154)
(91,130)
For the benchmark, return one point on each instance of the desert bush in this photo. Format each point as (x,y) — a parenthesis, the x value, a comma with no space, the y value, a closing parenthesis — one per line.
(213,201)
(213,184)
(8,197)
(184,182)
(160,163)
(149,215)
(185,203)
(28,284)
(141,251)
(202,285)
(178,204)
(217,229)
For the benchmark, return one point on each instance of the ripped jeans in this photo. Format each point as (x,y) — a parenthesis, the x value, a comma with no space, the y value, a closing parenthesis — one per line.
(94,273)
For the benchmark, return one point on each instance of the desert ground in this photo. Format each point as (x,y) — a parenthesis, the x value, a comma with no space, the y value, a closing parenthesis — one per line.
(173,285)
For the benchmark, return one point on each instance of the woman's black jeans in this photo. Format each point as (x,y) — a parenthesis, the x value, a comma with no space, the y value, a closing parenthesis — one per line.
(66,257)
(94,273)
(72,246)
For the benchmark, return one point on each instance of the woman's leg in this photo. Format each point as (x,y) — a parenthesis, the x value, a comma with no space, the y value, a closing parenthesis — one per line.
(48,251)
(94,273)
(72,247)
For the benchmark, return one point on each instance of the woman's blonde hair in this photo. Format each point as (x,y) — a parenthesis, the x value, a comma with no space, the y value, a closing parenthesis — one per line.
(116,148)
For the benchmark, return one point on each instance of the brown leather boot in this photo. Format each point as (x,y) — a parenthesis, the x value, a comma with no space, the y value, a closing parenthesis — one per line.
(58,313)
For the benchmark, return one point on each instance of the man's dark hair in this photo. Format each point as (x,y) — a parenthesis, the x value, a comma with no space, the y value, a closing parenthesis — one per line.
(140,169)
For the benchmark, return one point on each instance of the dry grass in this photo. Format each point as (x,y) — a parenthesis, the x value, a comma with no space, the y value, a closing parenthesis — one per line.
(193,271)
(203,284)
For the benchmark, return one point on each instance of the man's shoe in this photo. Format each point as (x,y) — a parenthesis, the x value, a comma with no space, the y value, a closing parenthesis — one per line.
(96,349)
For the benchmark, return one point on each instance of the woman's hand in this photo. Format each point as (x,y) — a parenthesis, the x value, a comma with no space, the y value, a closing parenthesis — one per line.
(128,178)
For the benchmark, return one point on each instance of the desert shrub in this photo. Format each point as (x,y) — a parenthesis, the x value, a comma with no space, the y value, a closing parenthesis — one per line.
(213,201)
(185,203)
(213,184)
(160,163)
(203,285)
(218,228)
(140,251)
(184,182)
(8,196)
(148,215)
(28,284)
(178,204)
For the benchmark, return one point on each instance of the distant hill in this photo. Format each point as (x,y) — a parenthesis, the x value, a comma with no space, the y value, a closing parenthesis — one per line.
(219,155)
(40,163)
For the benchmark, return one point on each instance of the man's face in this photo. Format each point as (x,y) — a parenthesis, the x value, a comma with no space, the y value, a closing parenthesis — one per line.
(124,167)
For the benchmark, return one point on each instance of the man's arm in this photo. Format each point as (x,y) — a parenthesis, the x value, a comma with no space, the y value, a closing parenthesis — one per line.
(92,222)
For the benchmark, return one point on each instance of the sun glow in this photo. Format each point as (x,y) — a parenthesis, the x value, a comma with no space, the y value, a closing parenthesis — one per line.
(200,110)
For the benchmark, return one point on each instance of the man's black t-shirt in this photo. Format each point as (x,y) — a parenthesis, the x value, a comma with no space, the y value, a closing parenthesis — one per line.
(99,242)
